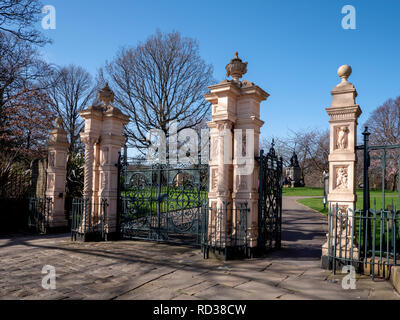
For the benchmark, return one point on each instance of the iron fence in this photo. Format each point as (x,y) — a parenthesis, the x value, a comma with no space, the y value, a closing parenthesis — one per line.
(225,231)
(88,219)
(369,240)
(39,214)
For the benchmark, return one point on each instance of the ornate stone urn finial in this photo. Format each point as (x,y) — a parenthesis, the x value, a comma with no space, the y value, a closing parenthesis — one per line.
(106,95)
(344,72)
(236,68)
(59,122)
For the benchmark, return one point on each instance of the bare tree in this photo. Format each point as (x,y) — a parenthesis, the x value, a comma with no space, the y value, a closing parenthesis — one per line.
(160,81)
(312,149)
(20,66)
(21,69)
(384,123)
(70,90)
(19,17)
(384,126)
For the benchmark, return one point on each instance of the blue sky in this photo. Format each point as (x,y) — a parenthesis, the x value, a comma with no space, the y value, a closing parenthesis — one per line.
(293,47)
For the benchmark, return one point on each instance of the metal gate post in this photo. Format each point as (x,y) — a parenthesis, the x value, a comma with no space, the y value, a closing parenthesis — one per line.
(119,199)
(159,202)
(260,197)
(366,203)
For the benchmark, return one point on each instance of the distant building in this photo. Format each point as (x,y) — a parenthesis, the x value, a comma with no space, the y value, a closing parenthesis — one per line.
(293,176)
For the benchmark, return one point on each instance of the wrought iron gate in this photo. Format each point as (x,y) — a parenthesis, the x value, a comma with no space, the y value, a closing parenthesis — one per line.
(162,202)
(270,200)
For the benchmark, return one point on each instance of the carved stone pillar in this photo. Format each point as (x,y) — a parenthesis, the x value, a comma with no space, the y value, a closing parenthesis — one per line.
(343,113)
(56,175)
(103,138)
(220,185)
(93,117)
(112,140)
(234,144)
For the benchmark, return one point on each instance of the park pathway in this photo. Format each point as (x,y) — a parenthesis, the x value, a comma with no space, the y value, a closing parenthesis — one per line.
(144,270)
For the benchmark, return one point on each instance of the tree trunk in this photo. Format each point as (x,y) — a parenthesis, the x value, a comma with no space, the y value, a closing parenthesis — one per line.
(394,182)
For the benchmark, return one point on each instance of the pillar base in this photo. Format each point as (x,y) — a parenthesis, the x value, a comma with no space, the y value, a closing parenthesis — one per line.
(325,263)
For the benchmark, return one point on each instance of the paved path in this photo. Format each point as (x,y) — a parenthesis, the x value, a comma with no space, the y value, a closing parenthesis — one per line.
(144,270)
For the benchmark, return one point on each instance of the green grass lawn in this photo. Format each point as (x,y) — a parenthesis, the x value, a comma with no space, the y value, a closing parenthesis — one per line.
(316,203)
(307,191)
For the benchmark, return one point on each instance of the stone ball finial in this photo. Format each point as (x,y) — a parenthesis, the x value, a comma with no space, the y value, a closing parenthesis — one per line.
(236,68)
(344,72)
(106,95)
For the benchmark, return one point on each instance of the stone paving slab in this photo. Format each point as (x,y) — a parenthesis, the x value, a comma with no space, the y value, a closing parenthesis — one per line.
(144,270)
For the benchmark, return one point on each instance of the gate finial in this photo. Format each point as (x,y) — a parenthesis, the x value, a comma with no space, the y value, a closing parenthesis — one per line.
(106,95)
(236,68)
(344,72)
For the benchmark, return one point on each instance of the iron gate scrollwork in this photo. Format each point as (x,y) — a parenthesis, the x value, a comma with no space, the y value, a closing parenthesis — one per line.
(270,200)
(162,202)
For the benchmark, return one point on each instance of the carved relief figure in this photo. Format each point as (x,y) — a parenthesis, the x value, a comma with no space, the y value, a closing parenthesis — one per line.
(104,156)
(341,178)
(50,184)
(51,159)
(342,137)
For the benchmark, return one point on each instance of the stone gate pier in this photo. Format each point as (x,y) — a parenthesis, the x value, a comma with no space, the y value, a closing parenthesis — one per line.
(56,176)
(234,144)
(103,138)
(342,198)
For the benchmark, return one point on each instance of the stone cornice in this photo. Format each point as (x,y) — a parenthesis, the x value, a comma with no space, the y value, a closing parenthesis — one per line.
(224,87)
(344,113)
(252,120)
(255,90)
(113,112)
(93,112)
(99,113)
(89,138)
(224,117)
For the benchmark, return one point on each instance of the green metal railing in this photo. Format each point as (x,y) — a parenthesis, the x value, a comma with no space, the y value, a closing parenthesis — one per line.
(88,219)
(38,214)
(225,231)
(367,241)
